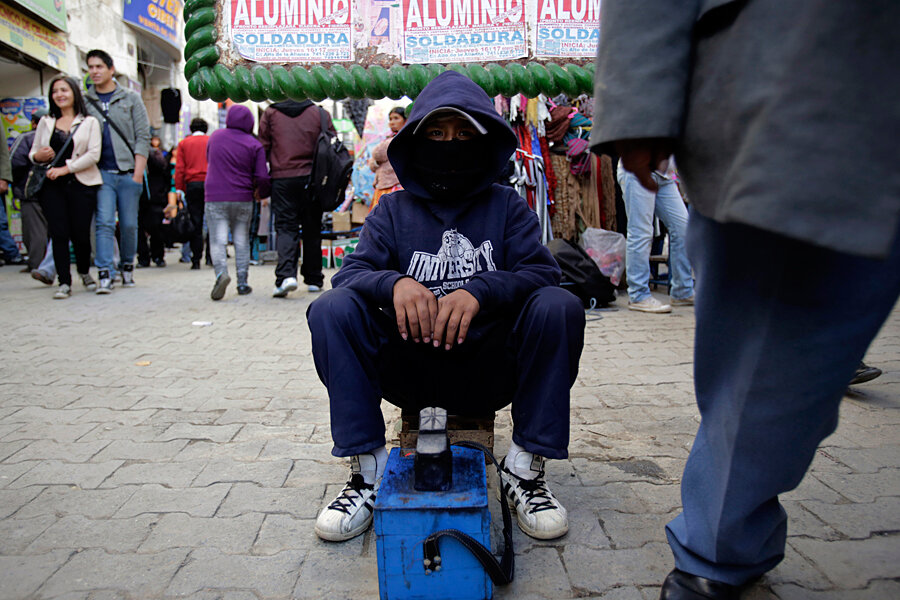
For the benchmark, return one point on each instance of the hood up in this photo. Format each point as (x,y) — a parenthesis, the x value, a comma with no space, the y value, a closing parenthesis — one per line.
(292,108)
(239,117)
(452,90)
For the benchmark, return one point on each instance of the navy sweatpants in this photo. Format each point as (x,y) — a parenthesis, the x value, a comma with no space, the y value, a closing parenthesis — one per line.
(529,359)
(781,327)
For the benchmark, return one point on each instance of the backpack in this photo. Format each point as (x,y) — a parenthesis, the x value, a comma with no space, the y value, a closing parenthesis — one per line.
(331,168)
(581,275)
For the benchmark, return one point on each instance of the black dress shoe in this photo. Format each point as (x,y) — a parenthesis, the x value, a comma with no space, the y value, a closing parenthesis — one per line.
(684,586)
(864,373)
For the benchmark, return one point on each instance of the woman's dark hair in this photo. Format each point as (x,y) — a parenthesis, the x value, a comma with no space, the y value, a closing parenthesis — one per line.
(398,110)
(198,124)
(77,98)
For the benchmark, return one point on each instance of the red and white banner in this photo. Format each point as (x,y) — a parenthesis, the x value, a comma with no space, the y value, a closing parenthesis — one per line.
(446,31)
(292,30)
(567,28)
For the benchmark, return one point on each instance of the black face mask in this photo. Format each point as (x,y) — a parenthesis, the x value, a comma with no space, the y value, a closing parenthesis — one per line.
(451,170)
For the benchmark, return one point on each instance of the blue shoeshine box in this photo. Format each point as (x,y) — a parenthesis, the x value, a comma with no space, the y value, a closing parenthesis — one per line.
(404,517)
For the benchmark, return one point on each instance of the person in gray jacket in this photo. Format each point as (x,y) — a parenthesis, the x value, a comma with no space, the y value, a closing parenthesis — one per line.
(7,246)
(777,113)
(126,145)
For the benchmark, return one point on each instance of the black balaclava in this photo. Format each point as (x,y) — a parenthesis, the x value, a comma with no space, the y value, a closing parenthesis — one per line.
(451,170)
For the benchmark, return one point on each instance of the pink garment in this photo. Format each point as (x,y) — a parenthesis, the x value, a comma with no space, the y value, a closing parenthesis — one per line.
(384,172)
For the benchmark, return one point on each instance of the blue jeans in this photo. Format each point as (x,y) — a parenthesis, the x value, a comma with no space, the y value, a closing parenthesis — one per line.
(223,217)
(7,244)
(641,205)
(781,327)
(119,192)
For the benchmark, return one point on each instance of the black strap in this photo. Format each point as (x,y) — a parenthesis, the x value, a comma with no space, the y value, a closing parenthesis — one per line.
(55,162)
(111,123)
(501,572)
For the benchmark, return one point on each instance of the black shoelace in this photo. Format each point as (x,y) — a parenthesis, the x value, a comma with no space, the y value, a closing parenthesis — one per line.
(350,494)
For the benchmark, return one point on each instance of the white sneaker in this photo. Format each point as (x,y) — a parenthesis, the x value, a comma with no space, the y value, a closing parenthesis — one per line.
(350,513)
(63,292)
(128,276)
(88,282)
(106,283)
(689,301)
(313,289)
(649,305)
(287,286)
(540,514)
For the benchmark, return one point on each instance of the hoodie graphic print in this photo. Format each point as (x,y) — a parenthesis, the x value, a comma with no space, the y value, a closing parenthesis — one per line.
(484,240)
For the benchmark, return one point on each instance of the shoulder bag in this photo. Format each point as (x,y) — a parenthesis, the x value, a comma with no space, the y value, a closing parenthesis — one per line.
(38,174)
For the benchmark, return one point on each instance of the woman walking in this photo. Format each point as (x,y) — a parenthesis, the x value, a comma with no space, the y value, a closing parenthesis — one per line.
(69,142)
(236,173)
(385,179)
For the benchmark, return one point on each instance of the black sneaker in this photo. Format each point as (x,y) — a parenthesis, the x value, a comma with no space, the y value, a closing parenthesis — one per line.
(159,262)
(865,373)
(218,291)
(243,289)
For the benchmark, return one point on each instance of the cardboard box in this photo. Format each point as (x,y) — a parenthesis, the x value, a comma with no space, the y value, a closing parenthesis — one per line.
(358,213)
(340,248)
(340,221)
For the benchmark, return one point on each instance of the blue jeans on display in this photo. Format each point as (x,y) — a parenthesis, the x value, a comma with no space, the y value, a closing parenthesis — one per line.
(529,359)
(641,205)
(781,327)
(119,193)
(7,244)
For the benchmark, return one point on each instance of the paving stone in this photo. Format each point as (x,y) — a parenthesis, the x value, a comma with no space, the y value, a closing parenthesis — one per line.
(10,472)
(145,451)
(169,416)
(141,575)
(866,460)
(169,474)
(862,487)
(877,590)
(626,530)
(228,535)
(21,576)
(853,563)
(154,498)
(137,433)
(203,450)
(270,474)
(284,448)
(123,417)
(186,431)
(53,432)
(284,532)
(324,574)
(293,433)
(37,414)
(647,565)
(63,500)
(302,503)
(77,532)
(55,472)
(262,417)
(16,534)
(539,574)
(859,520)
(76,452)
(207,569)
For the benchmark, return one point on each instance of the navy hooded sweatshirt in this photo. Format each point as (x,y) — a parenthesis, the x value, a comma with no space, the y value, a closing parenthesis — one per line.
(487,242)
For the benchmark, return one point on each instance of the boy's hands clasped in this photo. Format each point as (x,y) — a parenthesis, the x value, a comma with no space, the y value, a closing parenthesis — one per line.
(422,317)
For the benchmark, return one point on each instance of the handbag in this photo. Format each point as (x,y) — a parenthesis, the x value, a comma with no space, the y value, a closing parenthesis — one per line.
(38,174)
(181,227)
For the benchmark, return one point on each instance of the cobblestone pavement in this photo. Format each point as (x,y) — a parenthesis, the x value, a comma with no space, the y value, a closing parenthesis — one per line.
(144,456)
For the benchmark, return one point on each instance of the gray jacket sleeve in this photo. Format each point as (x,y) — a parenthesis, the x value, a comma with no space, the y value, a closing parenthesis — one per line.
(5,167)
(643,68)
(141,126)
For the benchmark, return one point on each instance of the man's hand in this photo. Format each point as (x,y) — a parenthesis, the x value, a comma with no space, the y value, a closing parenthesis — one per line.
(56,172)
(455,313)
(416,309)
(44,155)
(643,156)
(4,186)
(170,210)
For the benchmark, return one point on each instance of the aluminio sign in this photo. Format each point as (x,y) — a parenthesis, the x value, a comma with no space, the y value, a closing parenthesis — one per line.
(292,30)
(436,31)
(567,28)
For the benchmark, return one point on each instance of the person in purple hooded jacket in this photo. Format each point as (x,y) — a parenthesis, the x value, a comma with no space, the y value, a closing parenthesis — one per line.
(237,174)
(449,300)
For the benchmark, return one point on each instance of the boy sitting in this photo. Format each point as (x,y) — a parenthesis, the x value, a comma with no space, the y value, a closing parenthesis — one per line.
(449,300)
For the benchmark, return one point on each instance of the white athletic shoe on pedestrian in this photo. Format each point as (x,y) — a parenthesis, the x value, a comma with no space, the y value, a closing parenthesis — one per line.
(689,301)
(540,514)
(312,289)
(64,291)
(287,286)
(350,513)
(106,283)
(649,305)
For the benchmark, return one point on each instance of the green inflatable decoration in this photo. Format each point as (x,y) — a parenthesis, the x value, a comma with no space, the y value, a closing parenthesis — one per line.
(207,79)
